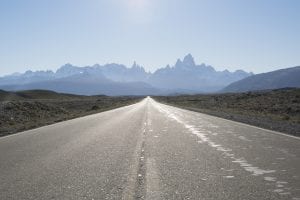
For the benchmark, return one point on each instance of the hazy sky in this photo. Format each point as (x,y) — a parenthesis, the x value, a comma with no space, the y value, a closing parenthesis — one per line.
(254,35)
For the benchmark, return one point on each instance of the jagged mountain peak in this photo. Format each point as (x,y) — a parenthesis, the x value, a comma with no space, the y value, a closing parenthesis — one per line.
(67,65)
(178,63)
(135,65)
(68,70)
(138,68)
(189,60)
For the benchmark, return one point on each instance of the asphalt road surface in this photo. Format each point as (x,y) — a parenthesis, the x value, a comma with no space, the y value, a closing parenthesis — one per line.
(149,151)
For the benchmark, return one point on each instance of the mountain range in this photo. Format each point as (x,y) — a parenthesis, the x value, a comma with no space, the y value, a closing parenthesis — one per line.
(116,79)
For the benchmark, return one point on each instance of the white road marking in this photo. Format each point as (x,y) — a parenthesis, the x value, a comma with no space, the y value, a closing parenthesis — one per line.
(256,171)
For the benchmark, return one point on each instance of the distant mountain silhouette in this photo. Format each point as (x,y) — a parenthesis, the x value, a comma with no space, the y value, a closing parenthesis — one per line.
(192,78)
(88,84)
(282,78)
(116,79)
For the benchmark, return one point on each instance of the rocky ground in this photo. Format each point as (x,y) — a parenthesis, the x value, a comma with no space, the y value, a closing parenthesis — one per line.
(277,110)
(30,109)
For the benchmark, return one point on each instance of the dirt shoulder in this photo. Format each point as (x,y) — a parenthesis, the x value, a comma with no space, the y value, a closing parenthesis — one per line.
(277,110)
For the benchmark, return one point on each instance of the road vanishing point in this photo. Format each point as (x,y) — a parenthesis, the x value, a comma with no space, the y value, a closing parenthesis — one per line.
(149,150)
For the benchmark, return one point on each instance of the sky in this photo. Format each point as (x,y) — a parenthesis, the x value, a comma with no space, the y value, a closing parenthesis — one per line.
(253,35)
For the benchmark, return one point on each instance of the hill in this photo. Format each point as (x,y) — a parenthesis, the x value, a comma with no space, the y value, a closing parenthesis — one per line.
(282,78)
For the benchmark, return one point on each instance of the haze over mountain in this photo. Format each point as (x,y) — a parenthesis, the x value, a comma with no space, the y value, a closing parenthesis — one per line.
(116,79)
(282,78)
(186,76)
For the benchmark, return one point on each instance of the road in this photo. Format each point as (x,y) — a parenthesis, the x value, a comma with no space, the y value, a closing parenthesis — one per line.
(149,151)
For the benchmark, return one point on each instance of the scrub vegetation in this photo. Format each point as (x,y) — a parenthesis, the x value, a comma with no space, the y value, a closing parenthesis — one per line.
(277,110)
(26,110)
